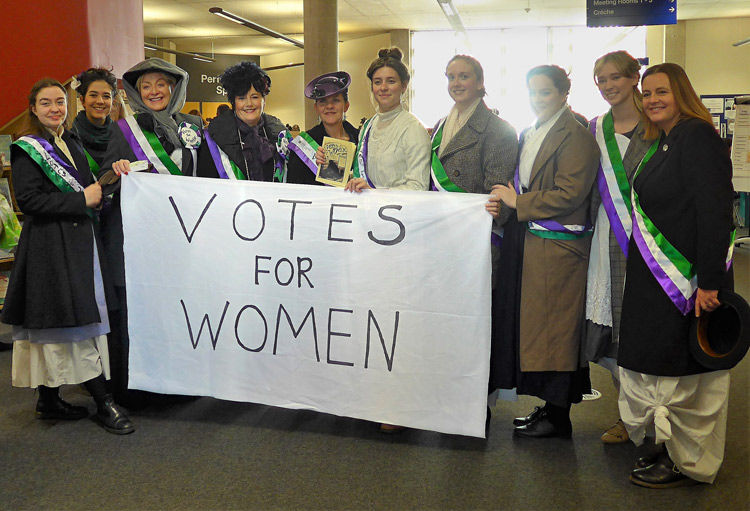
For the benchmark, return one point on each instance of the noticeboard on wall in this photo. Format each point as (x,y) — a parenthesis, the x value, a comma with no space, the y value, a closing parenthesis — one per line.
(723,112)
(741,144)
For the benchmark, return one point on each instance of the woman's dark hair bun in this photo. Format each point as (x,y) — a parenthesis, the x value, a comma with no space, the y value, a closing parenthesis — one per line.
(390,57)
(390,53)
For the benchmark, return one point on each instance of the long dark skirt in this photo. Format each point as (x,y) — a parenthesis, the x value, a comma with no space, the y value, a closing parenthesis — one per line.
(560,388)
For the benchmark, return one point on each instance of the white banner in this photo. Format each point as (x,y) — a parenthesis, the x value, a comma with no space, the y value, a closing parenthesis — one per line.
(373,305)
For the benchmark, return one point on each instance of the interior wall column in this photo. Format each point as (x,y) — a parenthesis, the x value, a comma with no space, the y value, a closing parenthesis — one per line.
(674,43)
(321,45)
(402,39)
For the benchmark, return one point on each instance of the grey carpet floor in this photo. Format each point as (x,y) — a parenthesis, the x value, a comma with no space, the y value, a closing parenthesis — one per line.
(206,454)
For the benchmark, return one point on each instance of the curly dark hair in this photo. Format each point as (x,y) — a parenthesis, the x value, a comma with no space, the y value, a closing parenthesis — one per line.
(389,57)
(95,74)
(238,79)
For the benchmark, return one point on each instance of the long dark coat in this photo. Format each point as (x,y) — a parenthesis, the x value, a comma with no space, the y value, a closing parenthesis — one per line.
(297,171)
(52,282)
(686,190)
(554,271)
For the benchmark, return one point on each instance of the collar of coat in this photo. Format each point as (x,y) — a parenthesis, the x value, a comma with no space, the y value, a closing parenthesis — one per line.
(471,132)
(559,132)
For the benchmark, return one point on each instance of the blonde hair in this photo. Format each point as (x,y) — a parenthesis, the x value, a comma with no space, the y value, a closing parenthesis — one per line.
(627,66)
(687,101)
(171,80)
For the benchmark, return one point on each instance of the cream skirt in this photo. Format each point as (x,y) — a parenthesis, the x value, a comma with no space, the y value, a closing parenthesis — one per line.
(58,364)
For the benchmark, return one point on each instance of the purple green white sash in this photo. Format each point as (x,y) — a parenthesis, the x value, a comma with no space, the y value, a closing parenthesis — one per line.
(146,146)
(60,172)
(305,147)
(224,166)
(551,229)
(612,180)
(64,176)
(360,162)
(675,274)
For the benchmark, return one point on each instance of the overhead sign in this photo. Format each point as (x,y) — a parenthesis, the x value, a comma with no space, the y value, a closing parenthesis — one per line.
(373,305)
(630,13)
(204,84)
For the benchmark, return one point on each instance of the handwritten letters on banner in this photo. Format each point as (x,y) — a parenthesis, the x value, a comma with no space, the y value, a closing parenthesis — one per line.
(374,305)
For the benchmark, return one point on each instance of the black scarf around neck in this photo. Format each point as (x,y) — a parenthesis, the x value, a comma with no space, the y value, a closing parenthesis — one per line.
(92,137)
(256,148)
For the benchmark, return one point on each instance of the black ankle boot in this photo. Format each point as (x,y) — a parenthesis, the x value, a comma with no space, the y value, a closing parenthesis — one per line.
(651,458)
(50,406)
(662,474)
(113,418)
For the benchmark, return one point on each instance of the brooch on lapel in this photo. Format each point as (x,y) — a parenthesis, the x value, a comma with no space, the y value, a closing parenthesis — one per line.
(189,135)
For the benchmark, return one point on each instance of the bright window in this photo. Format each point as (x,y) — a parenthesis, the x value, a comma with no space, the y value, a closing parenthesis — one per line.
(506,55)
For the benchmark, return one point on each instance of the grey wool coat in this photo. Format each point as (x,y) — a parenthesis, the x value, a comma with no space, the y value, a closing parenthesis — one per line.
(554,270)
(483,153)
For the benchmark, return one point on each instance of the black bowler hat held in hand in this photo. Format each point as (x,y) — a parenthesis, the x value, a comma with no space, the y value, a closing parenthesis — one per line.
(720,339)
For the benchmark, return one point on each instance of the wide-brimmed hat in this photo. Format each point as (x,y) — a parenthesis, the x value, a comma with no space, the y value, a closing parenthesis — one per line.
(328,84)
(720,339)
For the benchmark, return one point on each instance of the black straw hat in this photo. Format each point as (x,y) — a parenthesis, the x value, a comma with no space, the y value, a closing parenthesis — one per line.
(720,339)
(328,84)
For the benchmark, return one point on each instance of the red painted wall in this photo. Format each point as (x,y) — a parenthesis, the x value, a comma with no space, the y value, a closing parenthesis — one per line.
(59,39)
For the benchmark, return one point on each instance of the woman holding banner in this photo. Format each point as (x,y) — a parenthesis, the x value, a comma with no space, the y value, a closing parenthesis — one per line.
(169,142)
(394,148)
(539,302)
(678,259)
(56,295)
(331,95)
(242,142)
(474,148)
(619,134)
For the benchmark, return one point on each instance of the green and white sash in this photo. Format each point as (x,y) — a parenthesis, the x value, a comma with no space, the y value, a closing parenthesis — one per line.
(674,273)
(360,162)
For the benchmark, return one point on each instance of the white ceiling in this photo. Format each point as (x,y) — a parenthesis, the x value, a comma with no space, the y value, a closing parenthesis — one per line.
(189,24)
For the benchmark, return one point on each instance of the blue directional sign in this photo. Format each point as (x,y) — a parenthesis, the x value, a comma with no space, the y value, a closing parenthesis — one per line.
(630,13)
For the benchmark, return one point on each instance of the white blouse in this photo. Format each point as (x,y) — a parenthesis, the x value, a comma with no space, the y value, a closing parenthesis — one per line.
(399,152)
(532,142)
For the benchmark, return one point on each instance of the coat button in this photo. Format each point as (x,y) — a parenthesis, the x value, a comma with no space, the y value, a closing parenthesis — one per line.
(75,224)
(456,173)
